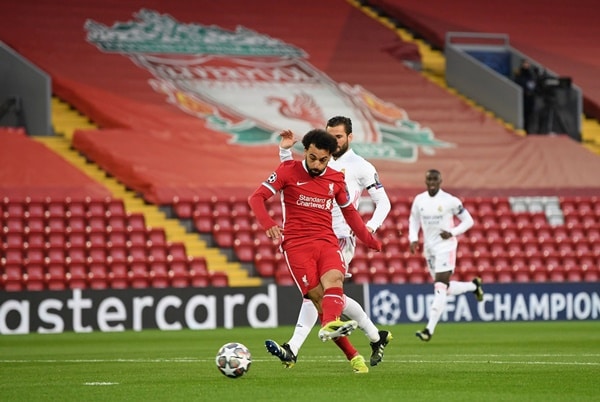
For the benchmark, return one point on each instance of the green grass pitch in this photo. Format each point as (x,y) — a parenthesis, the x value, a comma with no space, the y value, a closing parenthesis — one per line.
(524,361)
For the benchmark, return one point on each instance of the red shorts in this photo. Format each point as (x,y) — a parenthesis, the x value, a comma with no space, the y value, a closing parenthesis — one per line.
(308,263)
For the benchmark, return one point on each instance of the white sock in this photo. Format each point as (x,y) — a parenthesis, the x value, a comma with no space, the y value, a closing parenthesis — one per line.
(438,306)
(458,288)
(354,310)
(307,318)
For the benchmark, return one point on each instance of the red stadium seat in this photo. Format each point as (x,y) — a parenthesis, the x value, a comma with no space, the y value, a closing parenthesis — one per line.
(95,207)
(116,238)
(116,223)
(156,236)
(55,276)
(118,275)
(418,275)
(75,239)
(176,251)
(35,225)
(378,275)
(12,277)
(505,220)
(538,273)
(178,274)
(97,253)
(198,272)
(497,249)
(14,224)
(503,274)
(96,223)
(34,255)
(55,208)
(197,265)
(158,273)
(397,276)
(115,207)
(200,280)
(360,274)
(14,207)
(76,223)
(240,208)
(219,279)
(224,235)
(136,238)
(74,208)
(184,206)
(203,223)
(221,208)
(137,254)
(136,222)
(138,274)
(556,273)
(34,276)
(265,265)
(96,238)
(591,273)
(77,276)
(158,253)
(13,255)
(34,208)
(35,239)
(244,252)
(573,274)
(521,273)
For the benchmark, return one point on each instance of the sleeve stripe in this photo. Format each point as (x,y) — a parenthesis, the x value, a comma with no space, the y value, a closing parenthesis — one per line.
(270,187)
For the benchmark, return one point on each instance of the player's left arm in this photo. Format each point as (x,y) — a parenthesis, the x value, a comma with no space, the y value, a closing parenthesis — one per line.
(373,185)
(466,220)
(354,219)
(286,142)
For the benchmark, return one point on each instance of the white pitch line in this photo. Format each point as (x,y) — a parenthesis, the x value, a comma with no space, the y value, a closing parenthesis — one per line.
(312,360)
(100,383)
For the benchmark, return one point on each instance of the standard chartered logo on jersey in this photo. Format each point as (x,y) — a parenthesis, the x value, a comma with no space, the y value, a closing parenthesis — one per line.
(251,86)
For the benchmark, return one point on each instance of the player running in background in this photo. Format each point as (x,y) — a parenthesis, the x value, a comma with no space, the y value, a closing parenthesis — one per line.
(309,190)
(434,211)
(359,175)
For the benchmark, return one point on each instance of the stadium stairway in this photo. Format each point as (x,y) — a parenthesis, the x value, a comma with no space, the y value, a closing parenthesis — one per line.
(65,121)
(433,67)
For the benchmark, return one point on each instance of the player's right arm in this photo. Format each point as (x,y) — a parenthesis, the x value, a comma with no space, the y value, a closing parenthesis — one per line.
(353,218)
(414,225)
(286,143)
(258,198)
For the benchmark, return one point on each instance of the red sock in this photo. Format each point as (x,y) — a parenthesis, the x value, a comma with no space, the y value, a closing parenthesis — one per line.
(332,304)
(344,343)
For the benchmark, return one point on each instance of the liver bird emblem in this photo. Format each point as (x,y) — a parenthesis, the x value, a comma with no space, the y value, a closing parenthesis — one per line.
(303,107)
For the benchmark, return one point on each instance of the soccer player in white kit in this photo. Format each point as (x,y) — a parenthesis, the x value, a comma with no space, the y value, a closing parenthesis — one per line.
(359,175)
(433,211)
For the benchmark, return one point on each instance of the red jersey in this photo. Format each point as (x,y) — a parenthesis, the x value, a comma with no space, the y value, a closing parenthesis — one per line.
(307,203)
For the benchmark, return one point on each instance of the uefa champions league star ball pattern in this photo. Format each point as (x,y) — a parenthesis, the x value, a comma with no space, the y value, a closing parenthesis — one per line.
(233,360)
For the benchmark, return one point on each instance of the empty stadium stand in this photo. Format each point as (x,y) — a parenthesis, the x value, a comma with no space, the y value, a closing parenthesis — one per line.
(54,254)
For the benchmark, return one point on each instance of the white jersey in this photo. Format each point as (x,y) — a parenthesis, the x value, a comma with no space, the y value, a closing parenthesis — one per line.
(434,214)
(359,175)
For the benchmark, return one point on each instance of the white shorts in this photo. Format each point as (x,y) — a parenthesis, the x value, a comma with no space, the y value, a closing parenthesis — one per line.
(347,246)
(440,262)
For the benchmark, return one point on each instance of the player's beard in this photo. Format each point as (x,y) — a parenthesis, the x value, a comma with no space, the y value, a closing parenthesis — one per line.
(340,151)
(315,172)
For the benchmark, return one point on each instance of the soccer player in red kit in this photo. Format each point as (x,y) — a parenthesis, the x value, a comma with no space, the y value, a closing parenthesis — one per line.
(308,191)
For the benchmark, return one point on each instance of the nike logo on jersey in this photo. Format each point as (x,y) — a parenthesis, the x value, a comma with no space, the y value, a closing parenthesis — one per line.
(301,183)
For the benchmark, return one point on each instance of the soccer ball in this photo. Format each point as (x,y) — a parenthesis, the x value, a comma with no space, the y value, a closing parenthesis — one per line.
(233,360)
